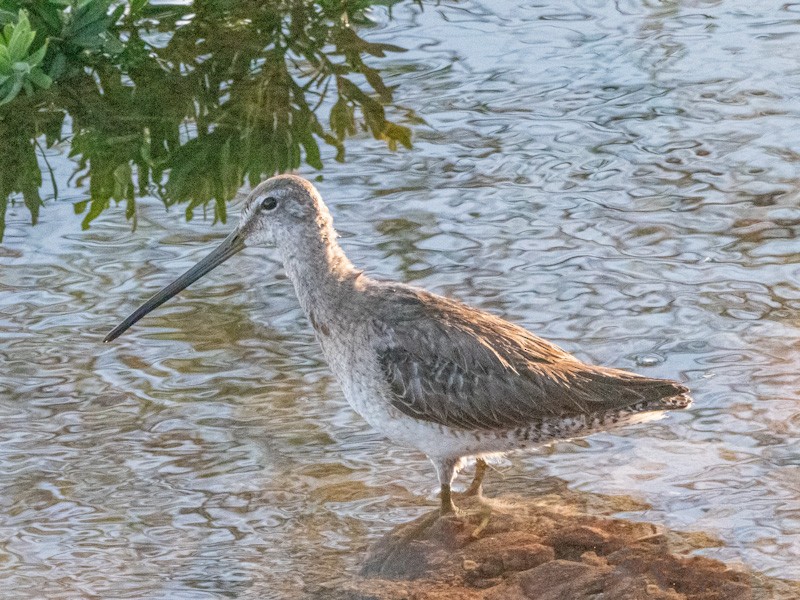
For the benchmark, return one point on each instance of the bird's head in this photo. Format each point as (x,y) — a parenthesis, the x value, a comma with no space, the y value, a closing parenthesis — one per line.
(286,211)
(282,210)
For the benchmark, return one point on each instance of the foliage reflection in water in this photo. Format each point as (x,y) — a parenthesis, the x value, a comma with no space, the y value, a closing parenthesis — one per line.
(189,101)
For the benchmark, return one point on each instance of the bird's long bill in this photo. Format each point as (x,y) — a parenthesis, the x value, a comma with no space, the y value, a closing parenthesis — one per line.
(230,246)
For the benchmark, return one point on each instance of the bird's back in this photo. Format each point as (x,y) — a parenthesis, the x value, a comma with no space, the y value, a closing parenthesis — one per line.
(454,365)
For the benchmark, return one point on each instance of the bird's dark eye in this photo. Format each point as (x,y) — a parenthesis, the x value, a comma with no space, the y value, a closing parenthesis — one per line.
(269,203)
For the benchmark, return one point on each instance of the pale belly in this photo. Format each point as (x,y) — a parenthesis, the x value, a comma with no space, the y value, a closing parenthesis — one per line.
(369,394)
(442,442)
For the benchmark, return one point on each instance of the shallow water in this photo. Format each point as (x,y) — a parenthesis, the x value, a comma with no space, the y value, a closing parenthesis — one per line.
(620,178)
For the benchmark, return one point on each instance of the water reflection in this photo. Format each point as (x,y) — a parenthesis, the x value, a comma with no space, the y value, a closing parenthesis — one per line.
(200,98)
(624,212)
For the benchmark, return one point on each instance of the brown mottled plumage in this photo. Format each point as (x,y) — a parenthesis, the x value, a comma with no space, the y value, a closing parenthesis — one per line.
(451,364)
(427,371)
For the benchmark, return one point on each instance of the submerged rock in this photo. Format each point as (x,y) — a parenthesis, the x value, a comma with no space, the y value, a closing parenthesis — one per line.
(550,548)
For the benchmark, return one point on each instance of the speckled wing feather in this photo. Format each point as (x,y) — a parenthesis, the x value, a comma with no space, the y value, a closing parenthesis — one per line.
(450,364)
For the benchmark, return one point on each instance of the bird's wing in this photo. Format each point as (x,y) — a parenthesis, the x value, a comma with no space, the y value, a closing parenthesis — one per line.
(457,366)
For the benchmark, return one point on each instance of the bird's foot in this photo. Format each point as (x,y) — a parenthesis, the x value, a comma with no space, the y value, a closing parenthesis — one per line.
(478,516)
(451,511)
(485,514)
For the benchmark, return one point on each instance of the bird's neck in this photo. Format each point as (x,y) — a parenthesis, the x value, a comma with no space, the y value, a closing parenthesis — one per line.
(319,271)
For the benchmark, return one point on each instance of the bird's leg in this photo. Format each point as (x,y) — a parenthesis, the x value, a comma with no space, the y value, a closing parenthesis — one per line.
(475,488)
(447,507)
(446,470)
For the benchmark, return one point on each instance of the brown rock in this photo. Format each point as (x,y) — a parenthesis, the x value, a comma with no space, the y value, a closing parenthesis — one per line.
(560,579)
(591,558)
(492,566)
(571,542)
(522,558)
(545,551)
(693,577)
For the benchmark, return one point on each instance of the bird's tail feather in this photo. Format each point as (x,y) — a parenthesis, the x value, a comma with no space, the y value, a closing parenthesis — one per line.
(677,402)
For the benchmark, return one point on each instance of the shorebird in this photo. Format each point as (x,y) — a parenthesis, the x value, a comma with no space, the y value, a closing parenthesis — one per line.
(428,372)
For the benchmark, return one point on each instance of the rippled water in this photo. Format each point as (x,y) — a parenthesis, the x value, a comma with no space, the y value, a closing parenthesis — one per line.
(618,177)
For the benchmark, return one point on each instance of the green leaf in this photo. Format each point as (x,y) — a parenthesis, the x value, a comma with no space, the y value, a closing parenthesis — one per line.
(113,46)
(311,147)
(21,37)
(123,181)
(52,125)
(11,93)
(97,206)
(36,58)
(57,66)
(39,78)
(342,119)
(33,201)
(50,15)
(7,16)
(374,79)
(88,12)
(89,37)
(5,59)
(398,133)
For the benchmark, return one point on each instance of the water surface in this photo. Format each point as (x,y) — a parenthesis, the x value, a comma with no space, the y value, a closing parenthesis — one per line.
(618,177)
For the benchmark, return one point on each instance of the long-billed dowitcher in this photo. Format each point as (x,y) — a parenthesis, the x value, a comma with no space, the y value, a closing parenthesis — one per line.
(429,372)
